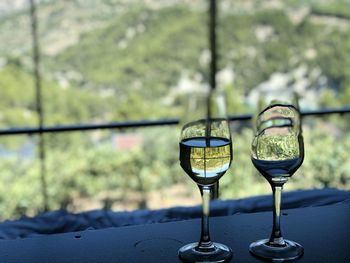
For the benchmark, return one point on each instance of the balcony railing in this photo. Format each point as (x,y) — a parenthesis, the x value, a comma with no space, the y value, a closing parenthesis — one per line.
(145,123)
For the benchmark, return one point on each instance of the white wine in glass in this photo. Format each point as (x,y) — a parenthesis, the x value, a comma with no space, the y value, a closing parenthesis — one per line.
(205,155)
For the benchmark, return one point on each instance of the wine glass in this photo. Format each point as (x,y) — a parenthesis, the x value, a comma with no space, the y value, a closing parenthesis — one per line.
(205,155)
(277,152)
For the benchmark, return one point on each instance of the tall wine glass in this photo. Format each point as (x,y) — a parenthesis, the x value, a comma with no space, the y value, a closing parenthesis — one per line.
(205,155)
(277,152)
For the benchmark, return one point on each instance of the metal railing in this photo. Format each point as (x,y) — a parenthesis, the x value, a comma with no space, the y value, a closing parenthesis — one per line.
(144,123)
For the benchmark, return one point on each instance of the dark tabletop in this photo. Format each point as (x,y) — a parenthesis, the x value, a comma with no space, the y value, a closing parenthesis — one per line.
(323,231)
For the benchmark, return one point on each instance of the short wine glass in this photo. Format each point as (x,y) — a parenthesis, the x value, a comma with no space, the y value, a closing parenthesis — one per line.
(277,152)
(205,155)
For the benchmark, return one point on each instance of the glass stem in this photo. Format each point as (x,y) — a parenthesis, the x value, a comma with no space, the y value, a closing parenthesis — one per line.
(215,191)
(205,244)
(276,238)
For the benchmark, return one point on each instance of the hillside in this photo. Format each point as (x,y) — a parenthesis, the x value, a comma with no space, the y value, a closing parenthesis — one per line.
(18,101)
(115,60)
(115,47)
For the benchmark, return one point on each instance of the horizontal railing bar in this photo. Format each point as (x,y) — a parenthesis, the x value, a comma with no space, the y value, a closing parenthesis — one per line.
(305,113)
(86,127)
(142,123)
(326,111)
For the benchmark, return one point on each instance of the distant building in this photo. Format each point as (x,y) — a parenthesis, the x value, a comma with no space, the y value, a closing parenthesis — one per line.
(127,141)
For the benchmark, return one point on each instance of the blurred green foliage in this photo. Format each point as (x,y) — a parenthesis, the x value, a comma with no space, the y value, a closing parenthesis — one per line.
(338,8)
(130,76)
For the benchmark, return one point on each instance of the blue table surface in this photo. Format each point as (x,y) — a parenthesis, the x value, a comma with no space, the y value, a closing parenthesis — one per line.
(323,231)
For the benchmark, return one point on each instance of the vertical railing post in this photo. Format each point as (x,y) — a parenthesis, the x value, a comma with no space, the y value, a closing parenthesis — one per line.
(39,106)
(212,43)
(213,67)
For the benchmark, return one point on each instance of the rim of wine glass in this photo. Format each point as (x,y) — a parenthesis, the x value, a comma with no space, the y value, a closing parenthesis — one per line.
(279,104)
(204,120)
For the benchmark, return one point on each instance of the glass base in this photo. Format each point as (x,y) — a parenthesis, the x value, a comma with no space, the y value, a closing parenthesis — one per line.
(218,253)
(290,251)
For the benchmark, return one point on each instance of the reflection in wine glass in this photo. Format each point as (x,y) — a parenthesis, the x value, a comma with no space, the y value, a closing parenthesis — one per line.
(278,114)
(277,152)
(205,155)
